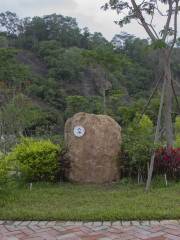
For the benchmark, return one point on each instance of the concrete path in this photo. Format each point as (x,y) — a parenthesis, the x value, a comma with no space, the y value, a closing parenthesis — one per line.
(149,230)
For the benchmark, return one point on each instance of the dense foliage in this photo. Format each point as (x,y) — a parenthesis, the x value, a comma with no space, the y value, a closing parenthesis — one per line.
(138,146)
(36,160)
(3,169)
(167,161)
(51,69)
(177,129)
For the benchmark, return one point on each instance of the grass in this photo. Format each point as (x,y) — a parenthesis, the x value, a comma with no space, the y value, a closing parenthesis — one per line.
(86,202)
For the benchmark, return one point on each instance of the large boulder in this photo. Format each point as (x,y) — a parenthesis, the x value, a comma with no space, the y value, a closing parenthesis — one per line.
(93,146)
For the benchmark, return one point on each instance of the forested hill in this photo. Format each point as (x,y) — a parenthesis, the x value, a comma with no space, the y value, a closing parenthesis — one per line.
(50,69)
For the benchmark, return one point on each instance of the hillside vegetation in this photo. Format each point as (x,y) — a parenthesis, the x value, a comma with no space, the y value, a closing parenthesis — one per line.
(51,69)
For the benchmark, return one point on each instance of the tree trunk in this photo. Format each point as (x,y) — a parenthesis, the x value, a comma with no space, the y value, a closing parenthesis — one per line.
(166,99)
(167,114)
(156,138)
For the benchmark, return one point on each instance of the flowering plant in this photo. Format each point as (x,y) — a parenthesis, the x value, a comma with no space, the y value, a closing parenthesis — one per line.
(167,160)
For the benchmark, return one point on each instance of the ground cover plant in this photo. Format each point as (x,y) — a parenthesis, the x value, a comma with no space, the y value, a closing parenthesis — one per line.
(123,200)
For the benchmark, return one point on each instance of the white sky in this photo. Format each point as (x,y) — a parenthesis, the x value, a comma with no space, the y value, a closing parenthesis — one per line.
(87,13)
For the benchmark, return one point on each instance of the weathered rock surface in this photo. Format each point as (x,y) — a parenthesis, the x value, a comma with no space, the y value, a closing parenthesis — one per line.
(93,157)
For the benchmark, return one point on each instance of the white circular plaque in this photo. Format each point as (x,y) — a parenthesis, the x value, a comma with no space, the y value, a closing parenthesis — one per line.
(79,131)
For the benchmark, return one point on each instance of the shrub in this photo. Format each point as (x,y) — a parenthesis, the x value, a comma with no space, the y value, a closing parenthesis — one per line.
(37,160)
(177,130)
(168,161)
(138,145)
(3,169)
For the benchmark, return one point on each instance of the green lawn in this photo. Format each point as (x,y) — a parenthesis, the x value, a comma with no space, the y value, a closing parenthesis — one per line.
(84,202)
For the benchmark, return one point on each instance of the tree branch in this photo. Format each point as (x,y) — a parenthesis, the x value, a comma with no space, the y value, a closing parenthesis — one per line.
(159,11)
(150,25)
(154,31)
(143,22)
(166,28)
(150,98)
(175,24)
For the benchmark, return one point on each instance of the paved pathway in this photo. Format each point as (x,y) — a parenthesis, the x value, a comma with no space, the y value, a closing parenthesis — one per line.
(153,230)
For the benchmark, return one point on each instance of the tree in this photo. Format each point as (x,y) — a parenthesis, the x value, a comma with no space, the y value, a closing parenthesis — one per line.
(9,21)
(85,38)
(97,40)
(34,31)
(17,118)
(144,13)
(63,29)
(119,40)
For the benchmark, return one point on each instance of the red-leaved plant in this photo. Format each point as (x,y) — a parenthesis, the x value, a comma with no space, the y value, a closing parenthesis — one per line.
(167,160)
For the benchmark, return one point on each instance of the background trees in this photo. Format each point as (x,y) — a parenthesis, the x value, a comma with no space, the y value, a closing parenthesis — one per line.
(144,13)
(163,40)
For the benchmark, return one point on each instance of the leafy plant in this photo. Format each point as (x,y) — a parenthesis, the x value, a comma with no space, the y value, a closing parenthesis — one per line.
(37,160)
(75,104)
(11,71)
(168,161)
(3,169)
(177,131)
(138,145)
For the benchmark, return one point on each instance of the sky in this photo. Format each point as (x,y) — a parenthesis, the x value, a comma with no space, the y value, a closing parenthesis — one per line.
(87,12)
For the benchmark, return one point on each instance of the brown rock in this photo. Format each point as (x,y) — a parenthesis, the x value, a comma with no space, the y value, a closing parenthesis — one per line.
(93,157)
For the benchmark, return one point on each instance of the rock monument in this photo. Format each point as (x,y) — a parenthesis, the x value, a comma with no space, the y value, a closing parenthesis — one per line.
(93,146)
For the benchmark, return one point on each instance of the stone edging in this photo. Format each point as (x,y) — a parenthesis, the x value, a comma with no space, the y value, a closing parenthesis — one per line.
(95,224)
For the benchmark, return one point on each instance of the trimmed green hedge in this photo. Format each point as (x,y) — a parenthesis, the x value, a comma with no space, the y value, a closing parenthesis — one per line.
(37,160)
